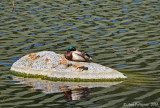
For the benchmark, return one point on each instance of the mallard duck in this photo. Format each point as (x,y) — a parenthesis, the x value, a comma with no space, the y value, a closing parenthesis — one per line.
(75,55)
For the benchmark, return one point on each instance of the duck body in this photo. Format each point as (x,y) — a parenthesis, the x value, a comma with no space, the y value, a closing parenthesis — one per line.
(75,55)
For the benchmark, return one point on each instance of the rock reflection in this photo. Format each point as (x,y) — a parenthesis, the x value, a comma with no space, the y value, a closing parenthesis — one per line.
(75,93)
(71,90)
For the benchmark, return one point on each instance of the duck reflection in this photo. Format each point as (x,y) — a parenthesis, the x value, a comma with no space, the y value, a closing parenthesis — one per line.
(71,90)
(76,93)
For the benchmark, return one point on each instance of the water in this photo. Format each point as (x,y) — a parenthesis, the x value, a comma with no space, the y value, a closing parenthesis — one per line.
(123,35)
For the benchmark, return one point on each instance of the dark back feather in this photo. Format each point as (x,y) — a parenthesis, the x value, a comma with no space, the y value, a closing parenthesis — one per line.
(88,55)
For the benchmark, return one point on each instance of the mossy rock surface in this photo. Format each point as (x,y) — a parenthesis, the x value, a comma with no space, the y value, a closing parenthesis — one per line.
(52,65)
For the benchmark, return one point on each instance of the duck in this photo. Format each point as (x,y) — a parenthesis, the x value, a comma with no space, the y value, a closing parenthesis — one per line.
(75,55)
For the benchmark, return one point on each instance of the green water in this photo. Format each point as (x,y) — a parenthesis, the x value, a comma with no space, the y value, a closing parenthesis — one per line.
(123,35)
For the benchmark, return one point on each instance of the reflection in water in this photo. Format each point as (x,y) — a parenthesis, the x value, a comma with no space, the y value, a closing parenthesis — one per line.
(75,93)
(71,90)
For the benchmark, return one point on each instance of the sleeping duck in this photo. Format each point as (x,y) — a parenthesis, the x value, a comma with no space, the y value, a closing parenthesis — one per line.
(75,55)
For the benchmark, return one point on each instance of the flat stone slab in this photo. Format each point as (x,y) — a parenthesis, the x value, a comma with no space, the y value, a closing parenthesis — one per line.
(54,65)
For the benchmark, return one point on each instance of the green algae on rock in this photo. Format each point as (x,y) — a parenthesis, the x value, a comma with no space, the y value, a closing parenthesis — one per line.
(64,79)
(55,66)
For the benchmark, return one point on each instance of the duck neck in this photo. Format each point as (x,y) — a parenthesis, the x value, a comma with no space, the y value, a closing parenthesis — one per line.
(68,55)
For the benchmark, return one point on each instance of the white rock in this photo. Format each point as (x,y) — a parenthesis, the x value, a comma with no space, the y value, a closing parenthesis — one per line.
(48,63)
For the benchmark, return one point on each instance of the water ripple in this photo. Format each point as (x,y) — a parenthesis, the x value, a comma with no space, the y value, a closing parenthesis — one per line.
(123,35)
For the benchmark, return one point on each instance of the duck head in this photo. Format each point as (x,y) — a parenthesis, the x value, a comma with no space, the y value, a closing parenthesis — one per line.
(71,48)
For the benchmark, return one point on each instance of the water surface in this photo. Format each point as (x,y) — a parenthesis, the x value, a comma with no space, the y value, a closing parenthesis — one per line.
(123,35)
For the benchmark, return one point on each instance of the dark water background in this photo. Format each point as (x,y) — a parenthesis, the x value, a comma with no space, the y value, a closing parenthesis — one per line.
(123,35)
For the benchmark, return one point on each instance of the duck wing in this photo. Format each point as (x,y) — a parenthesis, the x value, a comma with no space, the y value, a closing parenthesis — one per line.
(83,54)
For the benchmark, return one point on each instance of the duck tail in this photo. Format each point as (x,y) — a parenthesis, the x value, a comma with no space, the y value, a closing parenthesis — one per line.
(90,58)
